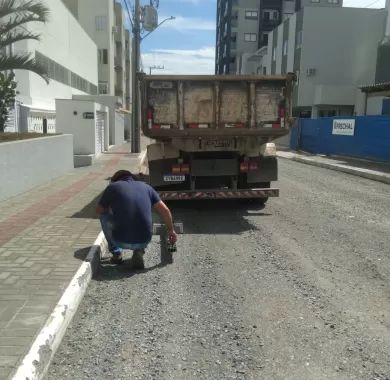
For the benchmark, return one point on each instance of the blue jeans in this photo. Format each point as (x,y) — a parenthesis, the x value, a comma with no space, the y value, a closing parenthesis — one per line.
(107,222)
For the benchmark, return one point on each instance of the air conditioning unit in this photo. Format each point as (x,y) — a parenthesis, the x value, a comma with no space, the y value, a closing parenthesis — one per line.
(311,72)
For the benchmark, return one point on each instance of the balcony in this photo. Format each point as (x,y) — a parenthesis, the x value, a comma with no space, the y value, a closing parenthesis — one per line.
(269,24)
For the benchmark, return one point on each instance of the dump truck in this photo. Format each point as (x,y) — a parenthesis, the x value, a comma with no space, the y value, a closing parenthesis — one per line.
(211,136)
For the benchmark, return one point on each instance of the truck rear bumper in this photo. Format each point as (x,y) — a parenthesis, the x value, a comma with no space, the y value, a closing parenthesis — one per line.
(218,194)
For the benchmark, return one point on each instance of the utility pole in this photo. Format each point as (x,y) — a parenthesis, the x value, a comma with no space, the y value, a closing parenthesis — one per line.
(155,68)
(135,127)
(150,19)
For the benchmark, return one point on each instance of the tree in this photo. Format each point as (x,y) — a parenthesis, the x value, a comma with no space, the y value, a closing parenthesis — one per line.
(15,15)
(7,97)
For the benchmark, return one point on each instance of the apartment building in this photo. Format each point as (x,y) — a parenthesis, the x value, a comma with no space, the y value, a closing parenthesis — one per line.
(331,60)
(70,58)
(243,27)
(104,21)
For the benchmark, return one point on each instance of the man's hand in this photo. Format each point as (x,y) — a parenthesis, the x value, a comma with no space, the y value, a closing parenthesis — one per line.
(163,210)
(172,237)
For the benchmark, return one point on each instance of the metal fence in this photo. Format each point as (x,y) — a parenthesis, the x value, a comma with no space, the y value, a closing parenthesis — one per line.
(362,137)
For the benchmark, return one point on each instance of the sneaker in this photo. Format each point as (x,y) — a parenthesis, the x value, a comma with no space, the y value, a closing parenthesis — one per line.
(137,261)
(117,258)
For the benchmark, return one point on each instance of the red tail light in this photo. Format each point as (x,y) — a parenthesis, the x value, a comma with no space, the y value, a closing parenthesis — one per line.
(253,166)
(244,167)
(180,169)
(185,169)
(176,169)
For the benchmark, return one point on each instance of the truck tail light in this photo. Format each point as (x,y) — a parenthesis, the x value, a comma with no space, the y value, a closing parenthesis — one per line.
(244,167)
(176,169)
(253,166)
(180,169)
(185,169)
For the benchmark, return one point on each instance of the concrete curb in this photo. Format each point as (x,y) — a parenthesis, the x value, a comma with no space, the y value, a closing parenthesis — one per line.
(365,173)
(36,363)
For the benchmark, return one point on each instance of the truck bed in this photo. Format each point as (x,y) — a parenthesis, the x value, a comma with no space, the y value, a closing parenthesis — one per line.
(201,106)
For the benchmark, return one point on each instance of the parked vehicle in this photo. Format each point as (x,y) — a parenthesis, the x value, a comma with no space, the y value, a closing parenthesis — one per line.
(212,135)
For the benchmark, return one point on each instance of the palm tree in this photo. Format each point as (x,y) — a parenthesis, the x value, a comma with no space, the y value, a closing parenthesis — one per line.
(14,16)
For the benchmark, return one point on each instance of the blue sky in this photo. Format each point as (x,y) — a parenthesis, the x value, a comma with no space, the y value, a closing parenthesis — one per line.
(186,45)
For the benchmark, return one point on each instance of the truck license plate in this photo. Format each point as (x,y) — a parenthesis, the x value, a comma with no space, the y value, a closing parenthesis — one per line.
(174,178)
(219,143)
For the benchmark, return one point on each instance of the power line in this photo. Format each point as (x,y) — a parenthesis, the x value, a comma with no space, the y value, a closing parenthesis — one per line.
(128,13)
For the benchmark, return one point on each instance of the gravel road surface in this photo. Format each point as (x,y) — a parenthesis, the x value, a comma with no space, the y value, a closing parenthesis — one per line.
(297,290)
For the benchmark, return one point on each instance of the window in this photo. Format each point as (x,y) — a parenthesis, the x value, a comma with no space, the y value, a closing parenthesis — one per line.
(101,23)
(251,15)
(63,75)
(250,37)
(299,39)
(103,88)
(315,1)
(270,15)
(265,38)
(285,47)
(333,1)
(103,56)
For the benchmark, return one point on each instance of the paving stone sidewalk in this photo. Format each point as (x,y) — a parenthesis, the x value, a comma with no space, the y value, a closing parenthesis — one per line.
(44,236)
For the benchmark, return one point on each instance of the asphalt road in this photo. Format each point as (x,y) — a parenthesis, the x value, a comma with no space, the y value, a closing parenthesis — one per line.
(298,290)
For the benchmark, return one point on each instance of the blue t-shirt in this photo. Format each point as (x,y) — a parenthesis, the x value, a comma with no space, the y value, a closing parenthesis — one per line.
(131,203)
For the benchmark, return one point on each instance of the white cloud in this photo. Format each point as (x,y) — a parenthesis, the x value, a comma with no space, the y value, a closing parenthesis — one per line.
(199,61)
(181,23)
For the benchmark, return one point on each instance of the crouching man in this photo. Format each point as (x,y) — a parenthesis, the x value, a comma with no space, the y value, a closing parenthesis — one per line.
(125,212)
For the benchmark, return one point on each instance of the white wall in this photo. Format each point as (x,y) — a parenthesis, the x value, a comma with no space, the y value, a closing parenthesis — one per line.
(343,51)
(70,120)
(375,105)
(43,159)
(291,43)
(279,49)
(64,41)
(87,12)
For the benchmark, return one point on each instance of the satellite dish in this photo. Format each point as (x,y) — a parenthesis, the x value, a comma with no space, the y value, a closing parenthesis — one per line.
(150,20)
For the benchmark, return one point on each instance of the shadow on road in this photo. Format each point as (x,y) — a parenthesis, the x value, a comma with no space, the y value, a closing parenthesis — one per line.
(111,272)
(216,216)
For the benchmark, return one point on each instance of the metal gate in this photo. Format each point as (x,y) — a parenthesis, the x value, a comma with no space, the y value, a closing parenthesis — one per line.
(100,126)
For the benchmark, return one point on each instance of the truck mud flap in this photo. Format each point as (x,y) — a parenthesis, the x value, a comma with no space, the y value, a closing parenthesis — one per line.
(218,194)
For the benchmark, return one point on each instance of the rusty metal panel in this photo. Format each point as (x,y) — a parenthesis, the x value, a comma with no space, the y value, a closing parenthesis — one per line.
(164,103)
(234,102)
(198,103)
(268,98)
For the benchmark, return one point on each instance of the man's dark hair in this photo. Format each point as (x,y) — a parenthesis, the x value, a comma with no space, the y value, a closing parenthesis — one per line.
(120,175)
